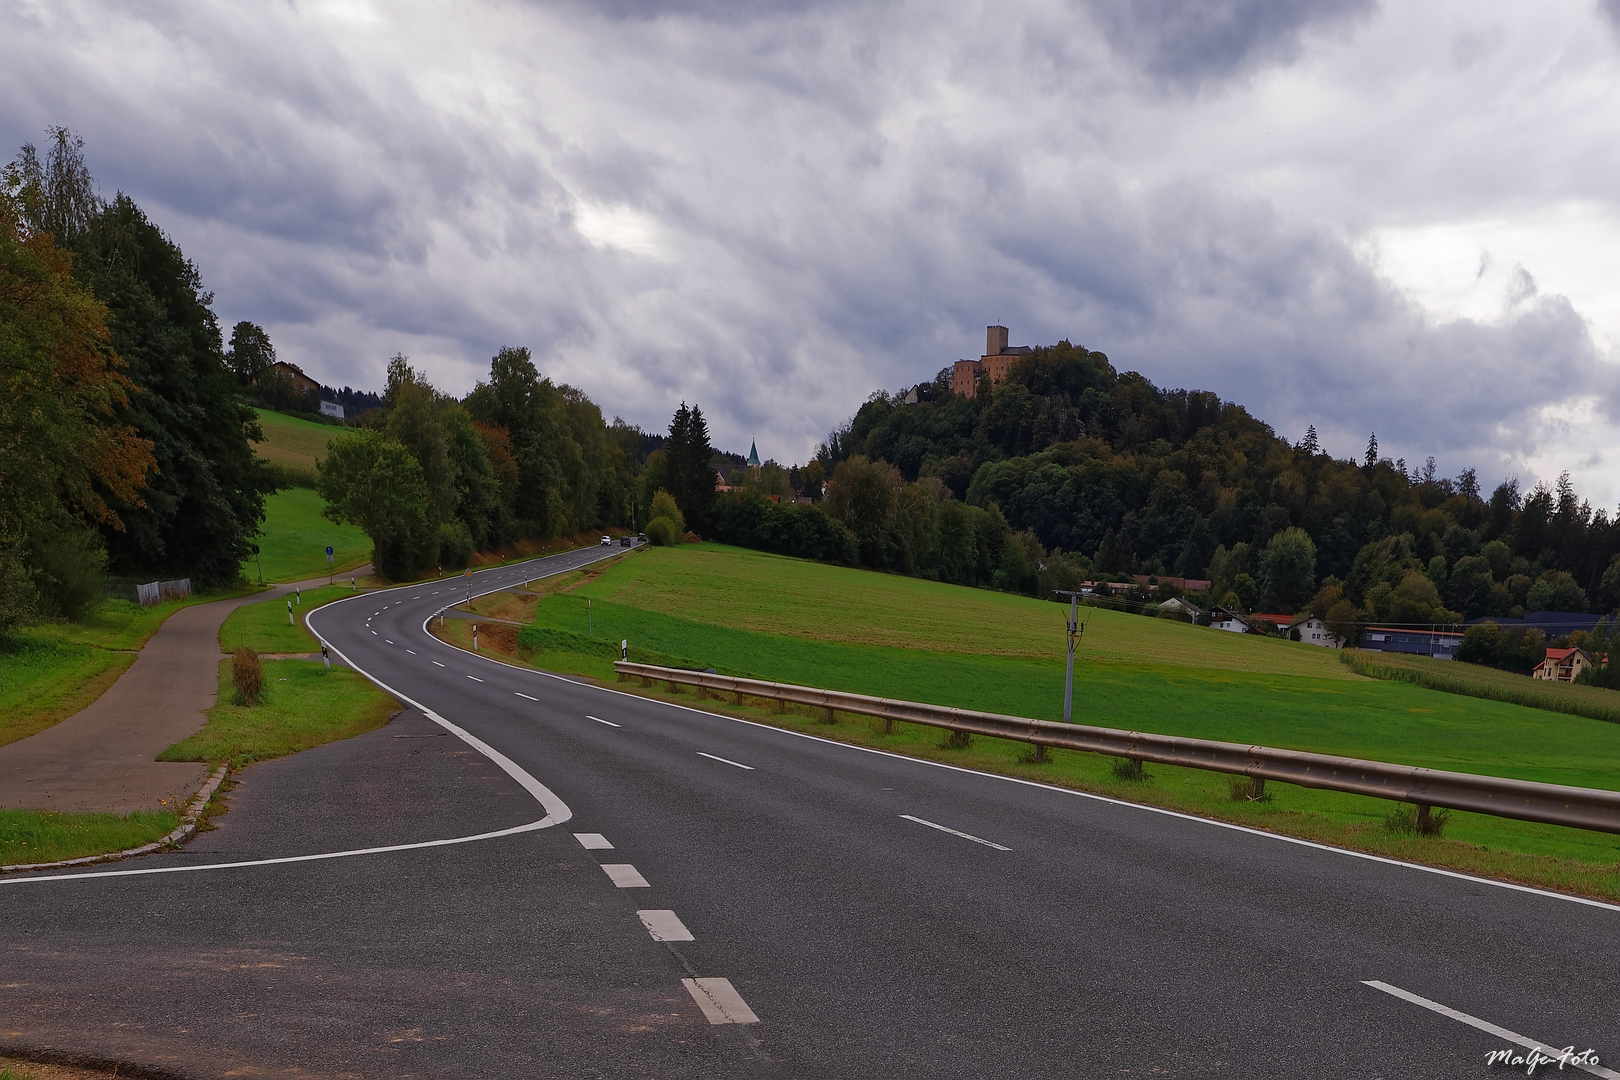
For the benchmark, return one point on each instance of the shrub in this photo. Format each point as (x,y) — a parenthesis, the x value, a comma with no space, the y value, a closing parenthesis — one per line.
(247,675)
(70,572)
(663,506)
(455,544)
(663,532)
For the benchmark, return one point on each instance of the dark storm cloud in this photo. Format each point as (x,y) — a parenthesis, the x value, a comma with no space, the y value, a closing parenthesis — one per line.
(1191,42)
(774,211)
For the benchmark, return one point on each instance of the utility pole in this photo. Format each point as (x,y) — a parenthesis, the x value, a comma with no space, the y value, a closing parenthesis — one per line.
(1075,628)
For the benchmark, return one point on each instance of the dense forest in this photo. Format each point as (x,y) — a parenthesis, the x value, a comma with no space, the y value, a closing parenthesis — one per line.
(1069,469)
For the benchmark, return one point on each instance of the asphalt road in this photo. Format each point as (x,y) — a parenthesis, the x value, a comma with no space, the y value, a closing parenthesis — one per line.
(870,916)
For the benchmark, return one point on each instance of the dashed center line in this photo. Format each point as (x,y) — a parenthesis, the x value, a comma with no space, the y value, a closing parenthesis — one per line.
(625,876)
(665,926)
(953,832)
(389,640)
(437,664)
(475,678)
(411,651)
(593,841)
(374,633)
(599,720)
(523,695)
(720,1002)
(727,761)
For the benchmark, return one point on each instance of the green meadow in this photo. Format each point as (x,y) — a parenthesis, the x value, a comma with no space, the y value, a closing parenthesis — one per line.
(769,617)
(294,537)
(293,443)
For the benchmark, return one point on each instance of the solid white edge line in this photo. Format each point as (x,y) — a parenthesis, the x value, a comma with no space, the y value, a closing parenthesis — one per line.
(543,823)
(728,761)
(954,832)
(1493,1029)
(557,811)
(1213,822)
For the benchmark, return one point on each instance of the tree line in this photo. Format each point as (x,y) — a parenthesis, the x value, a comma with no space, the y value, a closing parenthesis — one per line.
(431,479)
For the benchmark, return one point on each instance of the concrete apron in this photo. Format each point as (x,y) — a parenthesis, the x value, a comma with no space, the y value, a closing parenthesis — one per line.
(101,759)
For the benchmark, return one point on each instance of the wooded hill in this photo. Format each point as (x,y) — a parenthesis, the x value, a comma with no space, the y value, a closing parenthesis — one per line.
(1109,475)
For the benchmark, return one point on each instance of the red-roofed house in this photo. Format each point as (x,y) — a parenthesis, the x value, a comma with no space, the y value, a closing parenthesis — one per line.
(1562,665)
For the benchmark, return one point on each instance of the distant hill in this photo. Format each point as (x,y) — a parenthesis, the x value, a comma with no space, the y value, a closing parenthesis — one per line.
(1122,476)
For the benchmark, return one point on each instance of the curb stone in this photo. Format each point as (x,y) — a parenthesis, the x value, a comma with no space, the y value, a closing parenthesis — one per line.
(188,826)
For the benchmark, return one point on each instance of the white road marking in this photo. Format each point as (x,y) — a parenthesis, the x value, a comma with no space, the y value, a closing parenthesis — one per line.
(374,633)
(544,823)
(435,592)
(523,695)
(437,664)
(665,926)
(389,640)
(599,720)
(1491,1029)
(475,678)
(728,761)
(411,651)
(720,1002)
(625,876)
(593,841)
(953,832)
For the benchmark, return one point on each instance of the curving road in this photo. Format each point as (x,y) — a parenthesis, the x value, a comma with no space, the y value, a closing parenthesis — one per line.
(529,876)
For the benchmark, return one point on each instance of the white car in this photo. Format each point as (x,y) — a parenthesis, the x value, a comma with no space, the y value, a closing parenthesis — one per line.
(607,541)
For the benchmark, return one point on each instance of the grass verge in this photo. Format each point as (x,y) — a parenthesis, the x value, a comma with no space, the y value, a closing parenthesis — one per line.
(1472,680)
(263,627)
(304,706)
(50,671)
(36,836)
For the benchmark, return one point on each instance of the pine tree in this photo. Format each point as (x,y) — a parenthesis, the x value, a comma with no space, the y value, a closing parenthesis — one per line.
(1309,445)
(1372,451)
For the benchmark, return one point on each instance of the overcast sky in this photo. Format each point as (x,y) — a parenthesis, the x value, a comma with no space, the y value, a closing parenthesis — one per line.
(1401,217)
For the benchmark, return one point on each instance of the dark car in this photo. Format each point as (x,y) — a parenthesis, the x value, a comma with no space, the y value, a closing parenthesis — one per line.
(624,541)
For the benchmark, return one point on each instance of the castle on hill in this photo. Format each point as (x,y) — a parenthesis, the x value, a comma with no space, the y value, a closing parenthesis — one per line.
(996,362)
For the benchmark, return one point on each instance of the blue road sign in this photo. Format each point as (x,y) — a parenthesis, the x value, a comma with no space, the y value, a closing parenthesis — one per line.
(329,549)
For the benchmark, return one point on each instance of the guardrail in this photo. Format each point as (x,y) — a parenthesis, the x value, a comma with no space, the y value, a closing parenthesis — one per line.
(1551,804)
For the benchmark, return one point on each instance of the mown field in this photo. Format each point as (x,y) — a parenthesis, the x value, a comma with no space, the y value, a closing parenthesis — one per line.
(750,590)
(774,618)
(293,443)
(294,538)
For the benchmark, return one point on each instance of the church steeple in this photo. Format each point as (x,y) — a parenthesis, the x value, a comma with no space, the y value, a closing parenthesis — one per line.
(753,457)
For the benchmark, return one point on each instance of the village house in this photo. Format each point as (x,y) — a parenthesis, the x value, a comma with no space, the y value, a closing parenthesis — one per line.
(1562,665)
(1226,619)
(996,362)
(1313,631)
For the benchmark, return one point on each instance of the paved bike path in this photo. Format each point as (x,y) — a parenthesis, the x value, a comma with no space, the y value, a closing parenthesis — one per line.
(101,758)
